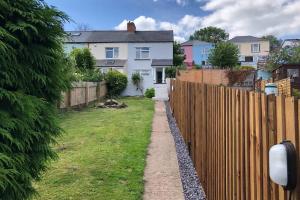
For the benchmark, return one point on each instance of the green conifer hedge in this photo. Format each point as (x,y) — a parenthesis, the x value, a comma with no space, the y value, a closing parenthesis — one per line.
(32,76)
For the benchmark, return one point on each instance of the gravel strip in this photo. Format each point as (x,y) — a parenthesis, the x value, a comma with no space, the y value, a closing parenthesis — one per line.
(190,182)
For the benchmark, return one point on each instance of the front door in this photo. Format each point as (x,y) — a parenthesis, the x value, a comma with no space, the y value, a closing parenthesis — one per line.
(158,76)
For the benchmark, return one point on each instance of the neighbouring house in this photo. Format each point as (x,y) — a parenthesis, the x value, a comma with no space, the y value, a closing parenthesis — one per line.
(290,43)
(196,53)
(252,50)
(130,51)
(285,71)
(187,48)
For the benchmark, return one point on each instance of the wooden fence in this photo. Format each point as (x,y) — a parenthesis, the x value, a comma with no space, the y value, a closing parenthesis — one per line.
(83,93)
(284,86)
(229,133)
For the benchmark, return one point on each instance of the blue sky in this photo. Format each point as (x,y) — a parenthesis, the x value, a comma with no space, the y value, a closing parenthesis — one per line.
(106,14)
(238,17)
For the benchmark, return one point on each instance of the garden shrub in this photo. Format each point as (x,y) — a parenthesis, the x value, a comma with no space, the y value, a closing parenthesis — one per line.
(32,76)
(150,92)
(296,93)
(116,82)
(246,68)
(170,72)
(92,75)
(84,60)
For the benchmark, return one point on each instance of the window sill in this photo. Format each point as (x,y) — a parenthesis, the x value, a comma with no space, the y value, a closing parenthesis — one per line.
(142,59)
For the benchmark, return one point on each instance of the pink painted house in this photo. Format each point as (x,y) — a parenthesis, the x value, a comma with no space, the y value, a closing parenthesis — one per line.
(187,48)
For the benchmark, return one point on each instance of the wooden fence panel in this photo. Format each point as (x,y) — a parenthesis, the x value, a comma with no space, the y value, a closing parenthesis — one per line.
(229,133)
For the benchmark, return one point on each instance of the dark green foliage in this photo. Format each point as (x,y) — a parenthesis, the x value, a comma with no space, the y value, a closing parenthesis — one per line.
(84,64)
(224,55)
(92,75)
(84,60)
(170,72)
(178,56)
(296,93)
(137,79)
(32,76)
(275,43)
(210,34)
(150,92)
(116,82)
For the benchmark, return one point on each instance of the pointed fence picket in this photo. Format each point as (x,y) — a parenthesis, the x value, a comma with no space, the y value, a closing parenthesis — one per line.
(229,133)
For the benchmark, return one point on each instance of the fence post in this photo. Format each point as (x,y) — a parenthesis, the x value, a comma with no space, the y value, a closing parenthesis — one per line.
(87,93)
(69,97)
(98,91)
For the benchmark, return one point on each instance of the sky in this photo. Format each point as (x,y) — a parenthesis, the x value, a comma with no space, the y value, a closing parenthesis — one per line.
(238,17)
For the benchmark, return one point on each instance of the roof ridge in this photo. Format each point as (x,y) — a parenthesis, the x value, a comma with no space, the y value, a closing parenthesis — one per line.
(120,31)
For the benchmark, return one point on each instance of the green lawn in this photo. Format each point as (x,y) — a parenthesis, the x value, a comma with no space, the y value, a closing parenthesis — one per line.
(101,154)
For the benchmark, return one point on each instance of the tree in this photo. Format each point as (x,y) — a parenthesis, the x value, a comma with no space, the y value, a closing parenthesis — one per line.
(178,56)
(224,55)
(210,34)
(84,60)
(274,42)
(32,77)
(83,27)
(283,56)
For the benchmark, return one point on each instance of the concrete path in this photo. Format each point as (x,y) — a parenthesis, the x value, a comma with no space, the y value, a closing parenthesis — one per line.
(162,178)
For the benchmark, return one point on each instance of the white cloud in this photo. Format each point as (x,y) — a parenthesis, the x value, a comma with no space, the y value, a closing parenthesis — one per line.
(141,23)
(242,17)
(254,17)
(182,29)
(182,2)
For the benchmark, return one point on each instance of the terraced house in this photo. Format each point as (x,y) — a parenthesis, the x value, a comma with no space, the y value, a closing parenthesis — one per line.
(130,51)
(253,51)
(196,53)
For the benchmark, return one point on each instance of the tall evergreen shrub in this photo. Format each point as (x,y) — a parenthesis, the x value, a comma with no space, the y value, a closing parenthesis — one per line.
(32,76)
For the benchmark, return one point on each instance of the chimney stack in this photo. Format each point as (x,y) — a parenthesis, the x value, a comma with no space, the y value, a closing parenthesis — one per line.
(131,27)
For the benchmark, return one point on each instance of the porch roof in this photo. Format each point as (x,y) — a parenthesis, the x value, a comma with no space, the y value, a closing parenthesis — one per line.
(110,63)
(162,62)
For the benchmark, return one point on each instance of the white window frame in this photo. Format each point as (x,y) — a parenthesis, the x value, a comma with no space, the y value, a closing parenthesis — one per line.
(140,50)
(114,50)
(205,51)
(254,48)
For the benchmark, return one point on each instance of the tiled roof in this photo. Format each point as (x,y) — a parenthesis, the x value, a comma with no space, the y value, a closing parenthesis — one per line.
(239,39)
(194,42)
(162,62)
(119,36)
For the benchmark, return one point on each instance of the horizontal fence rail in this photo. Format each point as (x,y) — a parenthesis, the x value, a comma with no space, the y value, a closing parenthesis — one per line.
(229,133)
(82,94)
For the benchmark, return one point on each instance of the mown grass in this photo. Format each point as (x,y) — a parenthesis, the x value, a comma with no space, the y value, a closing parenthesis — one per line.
(101,154)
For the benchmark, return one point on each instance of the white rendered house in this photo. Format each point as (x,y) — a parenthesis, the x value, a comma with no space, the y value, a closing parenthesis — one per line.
(130,51)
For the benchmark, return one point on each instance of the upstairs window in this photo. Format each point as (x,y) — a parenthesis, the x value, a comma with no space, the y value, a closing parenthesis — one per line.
(205,51)
(255,48)
(142,53)
(111,52)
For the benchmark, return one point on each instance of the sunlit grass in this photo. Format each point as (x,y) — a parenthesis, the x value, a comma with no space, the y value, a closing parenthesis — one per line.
(101,154)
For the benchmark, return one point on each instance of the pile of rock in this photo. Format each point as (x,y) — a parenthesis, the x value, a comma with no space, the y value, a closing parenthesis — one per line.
(111,103)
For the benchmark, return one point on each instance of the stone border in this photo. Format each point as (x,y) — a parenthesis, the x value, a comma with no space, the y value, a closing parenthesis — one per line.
(190,182)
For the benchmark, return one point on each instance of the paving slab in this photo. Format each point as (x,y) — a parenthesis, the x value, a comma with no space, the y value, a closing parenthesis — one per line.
(162,177)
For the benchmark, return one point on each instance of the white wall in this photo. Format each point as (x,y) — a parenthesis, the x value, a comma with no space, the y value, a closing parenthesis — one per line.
(157,51)
(98,49)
